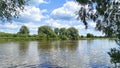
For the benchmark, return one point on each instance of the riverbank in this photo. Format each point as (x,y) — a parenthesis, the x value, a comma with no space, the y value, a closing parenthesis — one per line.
(38,38)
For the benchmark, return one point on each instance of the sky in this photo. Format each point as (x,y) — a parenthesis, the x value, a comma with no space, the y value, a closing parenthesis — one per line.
(54,13)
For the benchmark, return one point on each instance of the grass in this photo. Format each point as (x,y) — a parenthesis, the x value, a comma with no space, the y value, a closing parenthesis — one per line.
(37,38)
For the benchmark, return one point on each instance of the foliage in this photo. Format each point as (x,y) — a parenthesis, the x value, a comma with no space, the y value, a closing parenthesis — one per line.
(90,35)
(63,33)
(115,56)
(11,8)
(106,14)
(72,33)
(23,30)
(41,36)
(47,31)
(56,30)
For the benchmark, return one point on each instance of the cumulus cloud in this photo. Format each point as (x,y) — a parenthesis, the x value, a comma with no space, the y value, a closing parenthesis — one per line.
(66,12)
(31,13)
(9,27)
(33,17)
(36,2)
(29,17)
(53,23)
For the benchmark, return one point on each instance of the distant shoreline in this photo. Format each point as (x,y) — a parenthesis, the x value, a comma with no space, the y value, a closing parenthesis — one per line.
(38,39)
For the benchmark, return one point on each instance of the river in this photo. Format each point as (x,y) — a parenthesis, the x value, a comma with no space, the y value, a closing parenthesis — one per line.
(56,54)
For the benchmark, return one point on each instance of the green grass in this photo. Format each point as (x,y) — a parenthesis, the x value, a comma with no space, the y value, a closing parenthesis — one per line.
(37,38)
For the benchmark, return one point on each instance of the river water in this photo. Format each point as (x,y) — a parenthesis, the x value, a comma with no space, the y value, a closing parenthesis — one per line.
(56,54)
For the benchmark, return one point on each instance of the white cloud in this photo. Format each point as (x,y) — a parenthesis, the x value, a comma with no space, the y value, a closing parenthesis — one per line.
(61,17)
(29,17)
(79,27)
(36,2)
(96,33)
(31,13)
(13,25)
(55,24)
(92,24)
(66,12)
(9,27)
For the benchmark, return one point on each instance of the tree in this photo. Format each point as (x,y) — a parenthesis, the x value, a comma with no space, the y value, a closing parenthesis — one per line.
(72,33)
(90,35)
(46,30)
(11,9)
(62,31)
(63,34)
(56,30)
(106,14)
(23,30)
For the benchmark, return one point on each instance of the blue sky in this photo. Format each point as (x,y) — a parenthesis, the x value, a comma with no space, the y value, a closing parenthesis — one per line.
(54,13)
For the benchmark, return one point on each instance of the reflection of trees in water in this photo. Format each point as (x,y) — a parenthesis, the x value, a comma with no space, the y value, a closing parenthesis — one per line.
(44,45)
(48,45)
(89,42)
(44,49)
(23,47)
(70,45)
(54,52)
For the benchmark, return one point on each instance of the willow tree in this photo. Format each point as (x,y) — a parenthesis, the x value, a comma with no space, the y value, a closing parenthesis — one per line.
(106,14)
(11,9)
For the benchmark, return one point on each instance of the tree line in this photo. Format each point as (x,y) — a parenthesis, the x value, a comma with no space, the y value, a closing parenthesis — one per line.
(47,33)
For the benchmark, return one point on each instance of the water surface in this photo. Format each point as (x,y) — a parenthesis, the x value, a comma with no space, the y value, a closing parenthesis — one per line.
(60,54)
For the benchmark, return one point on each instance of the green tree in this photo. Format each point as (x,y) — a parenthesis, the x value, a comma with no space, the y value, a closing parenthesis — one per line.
(46,30)
(63,34)
(106,14)
(72,33)
(63,31)
(89,35)
(11,8)
(23,30)
(56,30)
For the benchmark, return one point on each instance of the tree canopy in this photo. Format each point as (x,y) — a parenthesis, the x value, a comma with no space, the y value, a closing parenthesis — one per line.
(72,33)
(46,31)
(56,30)
(89,35)
(63,33)
(11,9)
(23,30)
(106,14)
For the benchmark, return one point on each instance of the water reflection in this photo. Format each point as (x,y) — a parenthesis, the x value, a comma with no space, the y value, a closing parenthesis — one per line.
(65,54)
(23,47)
(56,52)
(69,45)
